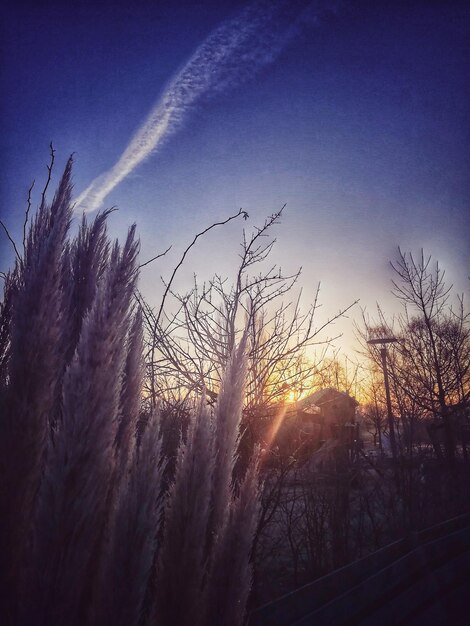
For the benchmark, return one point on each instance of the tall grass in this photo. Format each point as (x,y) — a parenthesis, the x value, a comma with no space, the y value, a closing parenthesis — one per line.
(90,534)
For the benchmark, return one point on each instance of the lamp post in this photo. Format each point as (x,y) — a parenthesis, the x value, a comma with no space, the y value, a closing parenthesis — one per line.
(382,342)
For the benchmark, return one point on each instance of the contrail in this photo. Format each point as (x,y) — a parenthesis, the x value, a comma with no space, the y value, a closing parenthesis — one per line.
(231,54)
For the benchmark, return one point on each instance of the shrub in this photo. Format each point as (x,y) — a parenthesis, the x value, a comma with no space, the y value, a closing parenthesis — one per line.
(90,533)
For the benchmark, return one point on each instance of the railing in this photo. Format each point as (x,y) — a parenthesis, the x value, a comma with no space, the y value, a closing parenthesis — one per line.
(403,582)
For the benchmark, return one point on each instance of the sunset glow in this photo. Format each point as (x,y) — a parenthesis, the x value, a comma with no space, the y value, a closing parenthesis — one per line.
(353,115)
(235,324)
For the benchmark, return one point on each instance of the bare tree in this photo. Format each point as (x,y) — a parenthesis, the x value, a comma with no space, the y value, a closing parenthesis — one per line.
(429,366)
(188,348)
(436,337)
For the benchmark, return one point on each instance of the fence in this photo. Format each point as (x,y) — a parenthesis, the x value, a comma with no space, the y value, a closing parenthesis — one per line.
(421,579)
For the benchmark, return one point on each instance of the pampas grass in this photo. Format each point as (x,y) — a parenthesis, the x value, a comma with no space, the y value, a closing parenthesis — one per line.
(204,569)
(29,385)
(81,464)
(90,532)
(230,575)
(227,419)
(133,536)
(183,557)
(130,399)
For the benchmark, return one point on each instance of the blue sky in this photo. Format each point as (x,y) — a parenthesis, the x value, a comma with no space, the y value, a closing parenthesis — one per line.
(360,125)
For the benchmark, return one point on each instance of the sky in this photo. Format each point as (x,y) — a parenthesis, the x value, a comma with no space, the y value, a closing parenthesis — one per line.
(353,114)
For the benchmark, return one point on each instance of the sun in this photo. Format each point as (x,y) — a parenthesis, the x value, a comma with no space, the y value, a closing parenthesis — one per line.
(292,396)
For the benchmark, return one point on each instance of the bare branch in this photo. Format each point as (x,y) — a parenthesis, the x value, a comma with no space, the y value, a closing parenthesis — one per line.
(26,215)
(50,167)
(158,256)
(241,212)
(12,241)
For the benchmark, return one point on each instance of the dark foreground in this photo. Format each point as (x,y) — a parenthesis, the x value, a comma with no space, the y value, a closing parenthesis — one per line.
(421,580)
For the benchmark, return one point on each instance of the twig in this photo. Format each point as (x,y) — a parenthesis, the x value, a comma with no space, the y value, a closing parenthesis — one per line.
(155,258)
(181,261)
(11,240)
(26,215)
(49,174)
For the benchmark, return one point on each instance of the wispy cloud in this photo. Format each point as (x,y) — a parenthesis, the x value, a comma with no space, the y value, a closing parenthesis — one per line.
(230,55)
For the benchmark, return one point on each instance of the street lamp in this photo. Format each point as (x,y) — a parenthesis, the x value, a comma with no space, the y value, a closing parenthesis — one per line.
(382,342)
